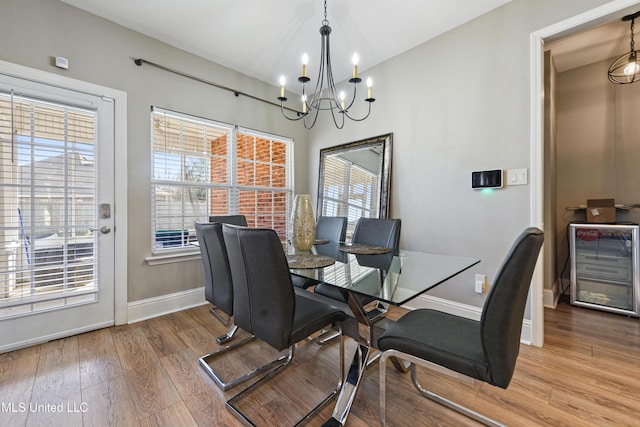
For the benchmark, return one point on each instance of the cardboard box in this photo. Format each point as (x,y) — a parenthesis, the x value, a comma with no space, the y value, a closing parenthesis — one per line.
(601,210)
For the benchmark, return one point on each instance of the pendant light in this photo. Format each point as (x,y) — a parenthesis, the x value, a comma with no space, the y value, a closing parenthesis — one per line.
(626,69)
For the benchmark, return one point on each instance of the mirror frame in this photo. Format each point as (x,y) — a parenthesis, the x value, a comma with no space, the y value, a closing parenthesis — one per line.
(386,140)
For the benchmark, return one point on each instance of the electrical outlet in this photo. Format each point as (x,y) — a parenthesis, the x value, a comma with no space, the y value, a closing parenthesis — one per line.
(480,280)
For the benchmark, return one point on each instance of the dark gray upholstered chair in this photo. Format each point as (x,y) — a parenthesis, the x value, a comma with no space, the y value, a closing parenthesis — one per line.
(332,228)
(216,264)
(265,304)
(212,248)
(229,219)
(485,350)
(368,231)
(219,292)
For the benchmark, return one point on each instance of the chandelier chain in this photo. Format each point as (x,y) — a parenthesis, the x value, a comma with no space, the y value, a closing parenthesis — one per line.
(325,21)
(632,29)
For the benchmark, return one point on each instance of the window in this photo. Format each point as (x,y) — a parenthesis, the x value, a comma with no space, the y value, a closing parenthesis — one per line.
(201,168)
(47,207)
(349,190)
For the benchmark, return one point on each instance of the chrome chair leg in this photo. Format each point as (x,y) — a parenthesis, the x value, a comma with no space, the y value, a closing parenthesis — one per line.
(225,320)
(426,393)
(373,315)
(278,366)
(226,384)
(326,335)
(378,312)
(228,336)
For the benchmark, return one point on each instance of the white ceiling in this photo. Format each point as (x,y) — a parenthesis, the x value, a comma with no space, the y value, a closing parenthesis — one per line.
(605,41)
(266,38)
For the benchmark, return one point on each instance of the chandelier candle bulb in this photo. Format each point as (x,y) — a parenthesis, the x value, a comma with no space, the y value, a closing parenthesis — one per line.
(305,61)
(342,97)
(355,60)
(369,88)
(282,82)
(304,103)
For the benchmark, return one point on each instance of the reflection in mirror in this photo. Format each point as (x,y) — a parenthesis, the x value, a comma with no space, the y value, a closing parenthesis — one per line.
(355,178)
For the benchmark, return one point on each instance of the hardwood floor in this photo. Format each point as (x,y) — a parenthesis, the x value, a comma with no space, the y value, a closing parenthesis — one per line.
(147,374)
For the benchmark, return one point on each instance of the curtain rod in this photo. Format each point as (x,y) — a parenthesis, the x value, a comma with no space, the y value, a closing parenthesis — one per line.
(140,61)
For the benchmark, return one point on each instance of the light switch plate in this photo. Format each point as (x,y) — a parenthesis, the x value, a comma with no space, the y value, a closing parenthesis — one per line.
(516,176)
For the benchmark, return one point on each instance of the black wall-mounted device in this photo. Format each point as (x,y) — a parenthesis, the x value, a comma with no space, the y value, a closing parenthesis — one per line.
(486,179)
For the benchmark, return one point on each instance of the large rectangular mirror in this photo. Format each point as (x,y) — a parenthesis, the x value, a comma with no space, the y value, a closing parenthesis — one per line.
(355,179)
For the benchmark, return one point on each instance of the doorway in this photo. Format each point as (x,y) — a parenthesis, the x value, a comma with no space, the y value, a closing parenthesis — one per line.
(540,193)
(57,215)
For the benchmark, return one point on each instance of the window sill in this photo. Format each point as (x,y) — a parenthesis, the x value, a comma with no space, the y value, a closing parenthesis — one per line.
(169,258)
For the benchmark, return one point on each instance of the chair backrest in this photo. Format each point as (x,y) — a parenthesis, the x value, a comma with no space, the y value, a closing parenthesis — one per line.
(333,228)
(218,289)
(229,219)
(378,232)
(503,311)
(264,299)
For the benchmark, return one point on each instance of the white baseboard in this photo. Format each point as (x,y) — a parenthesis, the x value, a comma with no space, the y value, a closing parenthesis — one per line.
(551,296)
(165,304)
(463,310)
(441,304)
(52,337)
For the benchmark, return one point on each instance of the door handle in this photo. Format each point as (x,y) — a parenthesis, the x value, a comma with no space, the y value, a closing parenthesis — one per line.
(104,229)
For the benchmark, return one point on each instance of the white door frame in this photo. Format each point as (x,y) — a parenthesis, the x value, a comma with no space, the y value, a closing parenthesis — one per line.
(120,167)
(613,10)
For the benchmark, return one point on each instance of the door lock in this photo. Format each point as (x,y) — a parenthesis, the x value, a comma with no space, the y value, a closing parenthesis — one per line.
(104,229)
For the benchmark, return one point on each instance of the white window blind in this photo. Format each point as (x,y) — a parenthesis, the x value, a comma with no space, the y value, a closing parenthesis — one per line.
(349,190)
(202,168)
(47,205)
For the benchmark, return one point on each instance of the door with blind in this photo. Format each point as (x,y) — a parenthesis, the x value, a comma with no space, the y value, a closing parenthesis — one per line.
(56,212)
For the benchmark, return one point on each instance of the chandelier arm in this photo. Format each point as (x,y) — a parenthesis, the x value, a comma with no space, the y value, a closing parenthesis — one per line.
(363,118)
(317,92)
(313,123)
(299,116)
(353,99)
(333,94)
(335,122)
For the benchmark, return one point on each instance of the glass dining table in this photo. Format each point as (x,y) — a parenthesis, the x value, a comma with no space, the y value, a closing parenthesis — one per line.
(387,278)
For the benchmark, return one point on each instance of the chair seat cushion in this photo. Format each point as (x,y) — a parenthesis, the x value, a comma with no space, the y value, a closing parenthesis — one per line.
(442,338)
(302,282)
(311,316)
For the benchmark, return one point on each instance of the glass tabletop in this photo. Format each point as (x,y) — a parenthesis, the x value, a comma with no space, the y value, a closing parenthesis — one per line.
(390,278)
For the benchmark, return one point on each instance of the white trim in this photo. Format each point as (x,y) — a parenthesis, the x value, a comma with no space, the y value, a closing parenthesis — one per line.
(172,257)
(448,306)
(120,168)
(551,296)
(563,28)
(40,340)
(462,310)
(165,304)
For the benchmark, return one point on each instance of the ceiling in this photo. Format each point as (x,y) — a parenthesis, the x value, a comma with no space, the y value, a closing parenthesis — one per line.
(604,41)
(266,38)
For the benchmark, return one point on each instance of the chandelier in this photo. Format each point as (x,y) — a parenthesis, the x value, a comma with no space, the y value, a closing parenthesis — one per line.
(325,96)
(626,69)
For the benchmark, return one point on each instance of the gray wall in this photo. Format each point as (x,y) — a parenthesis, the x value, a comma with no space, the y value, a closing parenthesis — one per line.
(459,103)
(455,104)
(598,145)
(101,52)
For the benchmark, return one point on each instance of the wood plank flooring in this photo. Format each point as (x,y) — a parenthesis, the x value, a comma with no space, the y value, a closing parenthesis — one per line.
(147,374)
